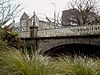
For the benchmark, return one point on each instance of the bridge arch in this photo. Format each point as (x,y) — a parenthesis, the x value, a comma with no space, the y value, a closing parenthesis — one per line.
(57,42)
(72,49)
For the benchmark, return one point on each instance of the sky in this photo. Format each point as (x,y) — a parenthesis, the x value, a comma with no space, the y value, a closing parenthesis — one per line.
(43,7)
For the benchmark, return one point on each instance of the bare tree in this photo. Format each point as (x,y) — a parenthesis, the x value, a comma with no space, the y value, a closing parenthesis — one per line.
(85,11)
(8,9)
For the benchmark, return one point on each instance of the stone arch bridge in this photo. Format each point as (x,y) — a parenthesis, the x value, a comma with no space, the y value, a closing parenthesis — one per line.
(45,40)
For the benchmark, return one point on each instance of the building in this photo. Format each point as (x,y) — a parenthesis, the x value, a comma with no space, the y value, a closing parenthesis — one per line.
(67,17)
(72,17)
(26,22)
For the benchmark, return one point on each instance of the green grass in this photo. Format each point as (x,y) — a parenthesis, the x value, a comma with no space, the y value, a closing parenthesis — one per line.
(77,66)
(14,62)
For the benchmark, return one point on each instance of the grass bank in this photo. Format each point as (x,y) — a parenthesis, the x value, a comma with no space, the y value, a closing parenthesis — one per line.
(14,62)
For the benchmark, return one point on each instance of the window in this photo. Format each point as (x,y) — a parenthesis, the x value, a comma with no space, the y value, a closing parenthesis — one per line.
(23,28)
(23,23)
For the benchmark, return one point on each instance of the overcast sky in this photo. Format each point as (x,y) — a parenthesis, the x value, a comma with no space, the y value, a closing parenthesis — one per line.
(43,6)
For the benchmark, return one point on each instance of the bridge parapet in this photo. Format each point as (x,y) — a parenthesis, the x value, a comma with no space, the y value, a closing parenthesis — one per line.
(71,31)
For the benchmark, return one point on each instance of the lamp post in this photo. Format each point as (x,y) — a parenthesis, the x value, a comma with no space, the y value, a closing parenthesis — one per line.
(34,18)
(54,14)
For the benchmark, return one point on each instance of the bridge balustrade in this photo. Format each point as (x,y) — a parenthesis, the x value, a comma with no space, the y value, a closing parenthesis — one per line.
(71,31)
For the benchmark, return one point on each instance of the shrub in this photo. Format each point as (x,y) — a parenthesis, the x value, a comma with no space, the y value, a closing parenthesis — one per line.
(3,43)
(12,39)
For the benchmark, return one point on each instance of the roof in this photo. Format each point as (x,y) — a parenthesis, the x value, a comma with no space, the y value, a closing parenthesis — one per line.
(17,24)
(24,16)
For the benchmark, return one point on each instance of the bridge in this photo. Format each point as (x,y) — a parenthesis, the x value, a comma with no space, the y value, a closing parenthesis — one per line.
(62,39)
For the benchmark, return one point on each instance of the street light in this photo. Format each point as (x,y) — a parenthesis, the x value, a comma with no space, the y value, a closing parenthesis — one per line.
(54,14)
(34,18)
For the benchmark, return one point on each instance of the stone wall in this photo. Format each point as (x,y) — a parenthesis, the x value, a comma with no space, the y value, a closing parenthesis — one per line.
(48,43)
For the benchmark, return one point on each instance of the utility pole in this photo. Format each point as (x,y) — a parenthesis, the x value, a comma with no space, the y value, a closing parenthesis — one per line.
(54,14)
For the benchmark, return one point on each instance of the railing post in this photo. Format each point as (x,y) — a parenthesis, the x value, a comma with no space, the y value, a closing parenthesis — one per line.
(33,31)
